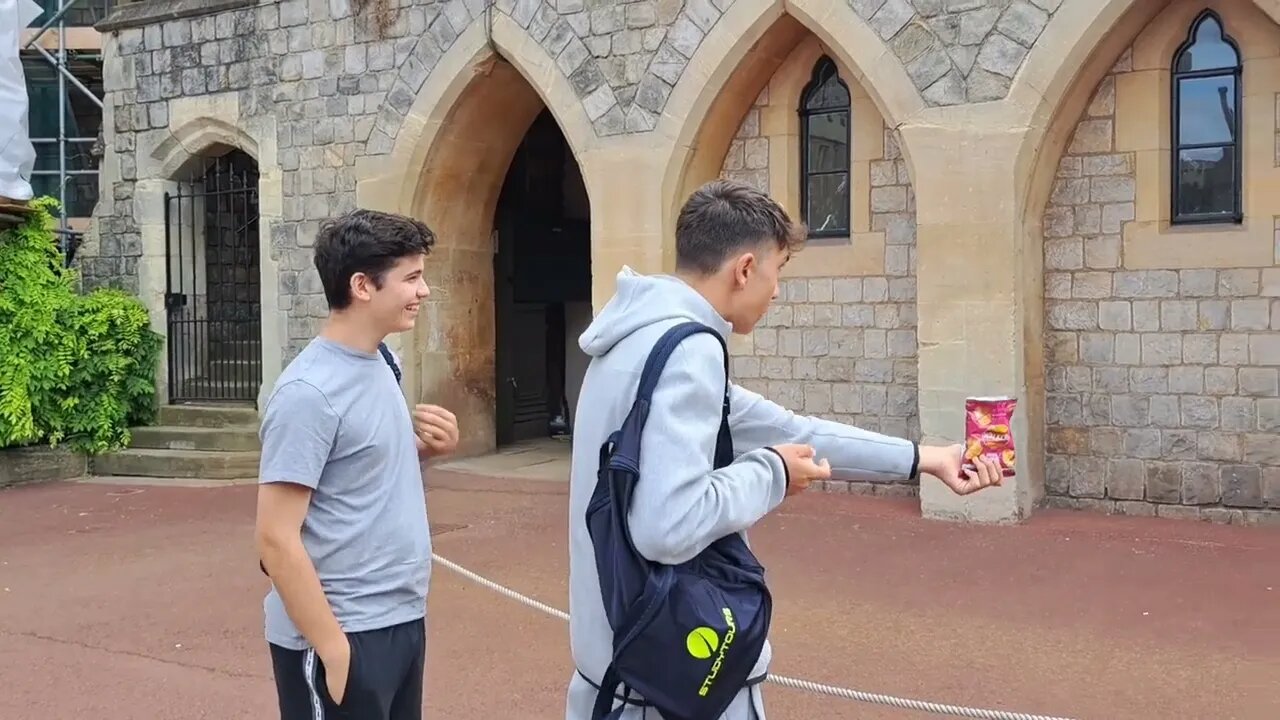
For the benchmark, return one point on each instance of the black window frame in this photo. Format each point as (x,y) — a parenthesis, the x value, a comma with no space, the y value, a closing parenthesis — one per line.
(1236,215)
(824,69)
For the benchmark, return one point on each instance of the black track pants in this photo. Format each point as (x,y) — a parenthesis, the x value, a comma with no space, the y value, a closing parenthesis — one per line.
(384,683)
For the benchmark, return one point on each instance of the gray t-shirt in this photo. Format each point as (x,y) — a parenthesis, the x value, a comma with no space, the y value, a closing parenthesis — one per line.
(337,423)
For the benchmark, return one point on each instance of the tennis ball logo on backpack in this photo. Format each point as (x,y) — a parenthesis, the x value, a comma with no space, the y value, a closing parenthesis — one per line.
(702,642)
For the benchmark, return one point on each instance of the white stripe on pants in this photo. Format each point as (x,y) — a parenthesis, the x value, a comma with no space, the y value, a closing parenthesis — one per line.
(309,672)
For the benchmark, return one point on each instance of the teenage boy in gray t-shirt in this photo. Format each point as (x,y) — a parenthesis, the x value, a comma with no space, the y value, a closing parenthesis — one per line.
(342,524)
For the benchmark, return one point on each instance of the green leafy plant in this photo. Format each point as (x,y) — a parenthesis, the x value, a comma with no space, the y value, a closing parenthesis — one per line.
(75,369)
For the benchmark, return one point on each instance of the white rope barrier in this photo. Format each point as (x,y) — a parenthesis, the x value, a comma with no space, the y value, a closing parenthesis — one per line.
(813,687)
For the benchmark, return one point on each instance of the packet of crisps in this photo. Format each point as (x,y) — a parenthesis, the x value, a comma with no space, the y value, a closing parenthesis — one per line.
(988,431)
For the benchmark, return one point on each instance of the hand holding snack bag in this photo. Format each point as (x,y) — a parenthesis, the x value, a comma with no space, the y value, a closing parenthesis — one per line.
(989,433)
(946,462)
(985,458)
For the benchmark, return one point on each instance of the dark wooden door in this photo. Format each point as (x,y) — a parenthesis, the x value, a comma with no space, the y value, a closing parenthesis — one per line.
(520,353)
(528,282)
(527,338)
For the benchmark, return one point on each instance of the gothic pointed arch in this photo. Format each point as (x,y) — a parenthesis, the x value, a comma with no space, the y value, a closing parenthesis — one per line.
(825,138)
(1205,115)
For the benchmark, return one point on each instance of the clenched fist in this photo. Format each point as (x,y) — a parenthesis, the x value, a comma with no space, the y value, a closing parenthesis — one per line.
(437,428)
(801,468)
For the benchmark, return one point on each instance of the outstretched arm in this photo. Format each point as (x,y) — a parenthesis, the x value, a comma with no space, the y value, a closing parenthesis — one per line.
(681,505)
(854,453)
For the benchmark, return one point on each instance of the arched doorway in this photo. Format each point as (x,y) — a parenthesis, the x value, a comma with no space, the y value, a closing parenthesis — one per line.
(542,286)
(213,280)
(796,120)
(480,130)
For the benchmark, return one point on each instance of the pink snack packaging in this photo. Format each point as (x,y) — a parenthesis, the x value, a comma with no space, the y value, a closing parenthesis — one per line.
(988,431)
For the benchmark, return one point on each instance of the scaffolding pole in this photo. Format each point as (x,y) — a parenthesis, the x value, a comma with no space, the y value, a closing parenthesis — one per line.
(58,23)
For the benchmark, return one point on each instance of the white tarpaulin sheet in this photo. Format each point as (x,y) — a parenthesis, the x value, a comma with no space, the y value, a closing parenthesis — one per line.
(17,155)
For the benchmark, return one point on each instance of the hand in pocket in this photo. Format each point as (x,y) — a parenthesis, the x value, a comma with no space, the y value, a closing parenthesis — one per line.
(337,670)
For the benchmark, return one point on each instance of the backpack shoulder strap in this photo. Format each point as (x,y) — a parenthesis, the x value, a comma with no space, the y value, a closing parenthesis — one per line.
(391,361)
(657,360)
(662,351)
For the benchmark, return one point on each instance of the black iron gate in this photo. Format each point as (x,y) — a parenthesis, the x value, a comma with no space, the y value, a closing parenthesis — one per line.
(213,277)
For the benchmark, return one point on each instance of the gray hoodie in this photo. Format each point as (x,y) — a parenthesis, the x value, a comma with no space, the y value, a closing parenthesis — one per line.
(680,505)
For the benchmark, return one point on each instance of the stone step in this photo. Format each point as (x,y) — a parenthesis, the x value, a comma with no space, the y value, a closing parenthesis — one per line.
(139,480)
(243,347)
(235,350)
(236,438)
(229,389)
(227,368)
(236,346)
(202,464)
(210,416)
(233,366)
(39,463)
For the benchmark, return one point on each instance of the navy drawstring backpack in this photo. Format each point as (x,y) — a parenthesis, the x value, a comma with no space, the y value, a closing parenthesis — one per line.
(685,637)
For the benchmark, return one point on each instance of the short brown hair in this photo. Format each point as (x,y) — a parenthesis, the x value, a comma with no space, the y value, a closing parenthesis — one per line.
(369,242)
(723,217)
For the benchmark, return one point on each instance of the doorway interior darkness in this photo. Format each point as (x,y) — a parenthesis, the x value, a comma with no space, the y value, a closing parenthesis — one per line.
(213,282)
(542,287)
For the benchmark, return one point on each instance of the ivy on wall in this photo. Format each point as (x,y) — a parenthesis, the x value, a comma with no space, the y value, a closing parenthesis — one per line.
(74,369)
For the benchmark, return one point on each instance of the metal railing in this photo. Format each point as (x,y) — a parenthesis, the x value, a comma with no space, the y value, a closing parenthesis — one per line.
(212,274)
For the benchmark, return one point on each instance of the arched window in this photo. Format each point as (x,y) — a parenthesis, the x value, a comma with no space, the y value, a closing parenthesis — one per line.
(1206,125)
(824,152)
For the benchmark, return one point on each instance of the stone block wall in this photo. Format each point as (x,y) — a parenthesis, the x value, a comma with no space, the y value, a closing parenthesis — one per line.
(340,76)
(840,348)
(1163,386)
(959,51)
(335,79)
(747,161)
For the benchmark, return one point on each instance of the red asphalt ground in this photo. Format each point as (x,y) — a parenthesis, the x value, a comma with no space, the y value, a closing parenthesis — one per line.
(122,603)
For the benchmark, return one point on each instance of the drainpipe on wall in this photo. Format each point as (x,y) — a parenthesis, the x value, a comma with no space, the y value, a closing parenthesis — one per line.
(17,154)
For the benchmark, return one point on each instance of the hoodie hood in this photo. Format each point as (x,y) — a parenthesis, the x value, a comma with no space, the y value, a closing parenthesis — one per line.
(641,301)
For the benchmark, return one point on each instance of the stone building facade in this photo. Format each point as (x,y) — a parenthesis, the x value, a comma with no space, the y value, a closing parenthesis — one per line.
(1162,346)
(989,183)
(841,343)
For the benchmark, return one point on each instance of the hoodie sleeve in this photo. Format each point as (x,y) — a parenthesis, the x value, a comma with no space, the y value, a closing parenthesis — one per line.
(854,454)
(681,505)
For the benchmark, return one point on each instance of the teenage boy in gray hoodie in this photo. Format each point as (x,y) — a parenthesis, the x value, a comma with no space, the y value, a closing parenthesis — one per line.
(731,244)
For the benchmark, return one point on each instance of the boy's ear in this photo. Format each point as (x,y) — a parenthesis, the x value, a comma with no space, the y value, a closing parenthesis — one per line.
(361,286)
(743,266)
